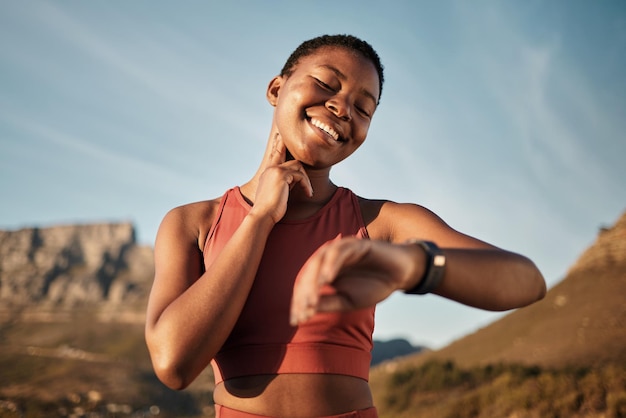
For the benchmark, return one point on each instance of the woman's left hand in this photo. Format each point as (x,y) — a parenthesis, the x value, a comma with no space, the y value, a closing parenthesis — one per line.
(360,272)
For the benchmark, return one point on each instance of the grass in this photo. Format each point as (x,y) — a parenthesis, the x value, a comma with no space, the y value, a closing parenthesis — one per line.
(442,389)
(47,382)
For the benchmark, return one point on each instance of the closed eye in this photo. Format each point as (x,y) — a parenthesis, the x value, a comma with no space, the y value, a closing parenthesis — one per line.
(324,85)
(363,111)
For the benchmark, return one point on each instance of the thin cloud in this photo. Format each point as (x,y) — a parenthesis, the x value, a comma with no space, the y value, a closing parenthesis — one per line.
(163,179)
(551,112)
(169,75)
(180,77)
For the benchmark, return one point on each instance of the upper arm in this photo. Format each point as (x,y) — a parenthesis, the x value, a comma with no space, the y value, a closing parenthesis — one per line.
(490,278)
(178,259)
(399,222)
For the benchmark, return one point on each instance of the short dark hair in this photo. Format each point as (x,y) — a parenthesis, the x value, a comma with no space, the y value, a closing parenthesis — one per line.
(349,42)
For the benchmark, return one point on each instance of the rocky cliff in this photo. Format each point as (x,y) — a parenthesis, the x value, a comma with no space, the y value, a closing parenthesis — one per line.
(73,265)
(607,252)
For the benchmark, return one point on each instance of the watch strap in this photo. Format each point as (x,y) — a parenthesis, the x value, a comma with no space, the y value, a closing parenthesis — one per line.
(434,271)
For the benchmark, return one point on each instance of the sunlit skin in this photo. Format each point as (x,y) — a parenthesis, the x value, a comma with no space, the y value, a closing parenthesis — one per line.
(322,113)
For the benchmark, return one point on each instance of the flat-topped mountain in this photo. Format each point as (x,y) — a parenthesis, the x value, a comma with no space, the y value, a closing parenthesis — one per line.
(73,265)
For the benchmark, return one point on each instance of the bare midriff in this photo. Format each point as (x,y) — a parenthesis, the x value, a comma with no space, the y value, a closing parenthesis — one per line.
(294,395)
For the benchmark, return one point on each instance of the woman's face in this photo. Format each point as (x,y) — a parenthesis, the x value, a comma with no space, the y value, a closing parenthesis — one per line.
(324,108)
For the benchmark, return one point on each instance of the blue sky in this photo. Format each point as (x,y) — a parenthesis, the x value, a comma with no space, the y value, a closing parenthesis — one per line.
(506,118)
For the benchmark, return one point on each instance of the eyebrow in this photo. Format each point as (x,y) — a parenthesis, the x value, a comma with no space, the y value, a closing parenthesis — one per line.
(342,76)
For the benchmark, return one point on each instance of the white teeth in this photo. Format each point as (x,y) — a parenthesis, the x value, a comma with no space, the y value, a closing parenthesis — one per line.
(330,131)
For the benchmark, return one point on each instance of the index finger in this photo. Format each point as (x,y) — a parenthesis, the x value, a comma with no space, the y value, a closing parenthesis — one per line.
(305,182)
(279,151)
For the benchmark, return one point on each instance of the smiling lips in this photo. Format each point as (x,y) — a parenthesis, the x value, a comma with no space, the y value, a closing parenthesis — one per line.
(330,131)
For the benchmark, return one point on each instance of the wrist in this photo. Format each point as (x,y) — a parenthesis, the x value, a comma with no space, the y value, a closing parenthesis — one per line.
(433,262)
(417,259)
(261,221)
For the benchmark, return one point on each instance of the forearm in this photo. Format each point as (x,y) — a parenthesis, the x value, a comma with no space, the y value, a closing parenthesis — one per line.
(193,327)
(490,279)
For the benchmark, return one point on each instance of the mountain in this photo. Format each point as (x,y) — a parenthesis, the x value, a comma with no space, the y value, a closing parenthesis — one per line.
(72,302)
(73,265)
(387,350)
(573,340)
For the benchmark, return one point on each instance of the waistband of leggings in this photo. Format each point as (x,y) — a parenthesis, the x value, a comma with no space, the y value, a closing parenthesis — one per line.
(225,412)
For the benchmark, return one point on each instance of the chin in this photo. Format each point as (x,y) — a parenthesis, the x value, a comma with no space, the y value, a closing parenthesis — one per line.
(311,158)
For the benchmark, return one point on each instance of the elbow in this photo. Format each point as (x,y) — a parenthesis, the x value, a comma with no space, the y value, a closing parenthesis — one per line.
(540,286)
(526,287)
(170,368)
(534,285)
(170,374)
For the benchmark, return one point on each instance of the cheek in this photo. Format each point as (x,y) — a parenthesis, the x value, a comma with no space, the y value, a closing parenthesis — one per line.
(288,110)
(362,131)
(357,146)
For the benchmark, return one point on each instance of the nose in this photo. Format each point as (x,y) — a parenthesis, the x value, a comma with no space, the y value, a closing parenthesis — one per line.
(340,108)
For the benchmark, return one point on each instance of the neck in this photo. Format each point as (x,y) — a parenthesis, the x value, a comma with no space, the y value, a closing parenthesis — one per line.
(321,182)
(323,188)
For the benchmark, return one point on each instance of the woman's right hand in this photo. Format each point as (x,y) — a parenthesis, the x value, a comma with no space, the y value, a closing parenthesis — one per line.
(277,180)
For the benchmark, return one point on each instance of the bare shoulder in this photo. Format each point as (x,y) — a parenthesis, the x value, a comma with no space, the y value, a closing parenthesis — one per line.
(191,221)
(388,220)
(399,222)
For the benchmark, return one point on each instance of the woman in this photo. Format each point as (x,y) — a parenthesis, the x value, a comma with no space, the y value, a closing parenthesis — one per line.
(275,283)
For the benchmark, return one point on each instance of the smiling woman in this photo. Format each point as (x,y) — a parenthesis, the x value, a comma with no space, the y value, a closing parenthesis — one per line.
(333,94)
(275,283)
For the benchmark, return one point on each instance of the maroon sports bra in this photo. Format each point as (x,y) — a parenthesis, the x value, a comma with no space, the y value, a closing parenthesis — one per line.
(263,341)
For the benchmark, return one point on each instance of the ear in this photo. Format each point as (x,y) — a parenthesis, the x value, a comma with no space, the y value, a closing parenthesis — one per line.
(273,89)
